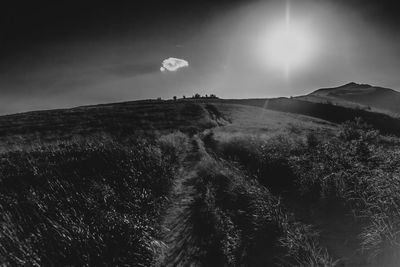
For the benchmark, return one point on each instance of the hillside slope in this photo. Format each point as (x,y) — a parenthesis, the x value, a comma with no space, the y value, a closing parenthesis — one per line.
(135,118)
(199,183)
(325,111)
(359,95)
(72,198)
(120,120)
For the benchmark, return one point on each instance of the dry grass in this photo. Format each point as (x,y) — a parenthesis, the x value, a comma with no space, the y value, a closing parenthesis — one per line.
(355,171)
(75,196)
(82,204)
(240,223)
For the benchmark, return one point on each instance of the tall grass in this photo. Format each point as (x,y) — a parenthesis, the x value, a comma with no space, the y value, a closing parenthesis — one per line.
(242,224)
(266,159)
(364,174)
(356,170)
(82,204)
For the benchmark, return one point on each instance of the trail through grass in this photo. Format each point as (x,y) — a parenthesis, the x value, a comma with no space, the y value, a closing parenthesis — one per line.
(180,246)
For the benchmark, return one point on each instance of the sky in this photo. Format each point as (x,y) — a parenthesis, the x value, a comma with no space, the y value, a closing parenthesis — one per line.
(57,55)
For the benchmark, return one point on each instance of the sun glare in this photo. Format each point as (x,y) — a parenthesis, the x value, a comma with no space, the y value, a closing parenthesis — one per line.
(287,45)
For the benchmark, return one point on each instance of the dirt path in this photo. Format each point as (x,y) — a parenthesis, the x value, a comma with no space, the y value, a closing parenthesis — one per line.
(180,244)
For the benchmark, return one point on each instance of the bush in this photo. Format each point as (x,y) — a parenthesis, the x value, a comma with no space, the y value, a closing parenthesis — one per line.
(174,144)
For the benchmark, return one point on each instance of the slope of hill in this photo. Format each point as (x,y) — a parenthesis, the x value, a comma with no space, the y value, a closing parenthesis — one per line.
(359,95)
(131,116)
(199,183)
(121,120)
(326,111)
(69,197)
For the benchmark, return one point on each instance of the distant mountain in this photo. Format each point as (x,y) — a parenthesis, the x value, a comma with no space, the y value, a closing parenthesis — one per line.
(364,95)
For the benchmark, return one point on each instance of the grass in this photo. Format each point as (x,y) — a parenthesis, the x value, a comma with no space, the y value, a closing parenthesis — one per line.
(243,224)
(128,120)
(361,172)
(356,172)
(324,111)
(82,204)
(271,188)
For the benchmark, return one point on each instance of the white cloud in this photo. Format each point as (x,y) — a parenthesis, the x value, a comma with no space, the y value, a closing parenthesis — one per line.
(173,64)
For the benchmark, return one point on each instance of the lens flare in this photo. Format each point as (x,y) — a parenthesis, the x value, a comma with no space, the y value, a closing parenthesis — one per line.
(287,45)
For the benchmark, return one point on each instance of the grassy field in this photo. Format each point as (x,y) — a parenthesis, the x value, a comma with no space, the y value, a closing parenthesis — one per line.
(210,183)
(120,121)
(326,111)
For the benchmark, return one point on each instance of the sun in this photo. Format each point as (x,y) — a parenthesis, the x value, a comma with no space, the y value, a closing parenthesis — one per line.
(289,47)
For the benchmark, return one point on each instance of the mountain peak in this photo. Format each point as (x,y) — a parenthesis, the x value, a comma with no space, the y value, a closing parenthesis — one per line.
(350,84)
(353,84)
(362,94)
(350,87)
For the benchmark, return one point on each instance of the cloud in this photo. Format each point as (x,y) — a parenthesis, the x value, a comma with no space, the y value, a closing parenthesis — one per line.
(173,64)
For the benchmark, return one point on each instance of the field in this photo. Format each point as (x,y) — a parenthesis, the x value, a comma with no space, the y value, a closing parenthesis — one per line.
(200,183)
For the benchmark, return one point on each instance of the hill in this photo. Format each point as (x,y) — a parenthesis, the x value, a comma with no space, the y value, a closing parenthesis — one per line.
(362,96)
(140,118)
(200,182)
(325,111)
(120,120)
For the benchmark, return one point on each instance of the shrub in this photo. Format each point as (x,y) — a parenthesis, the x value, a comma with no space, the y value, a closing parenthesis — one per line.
(174,144)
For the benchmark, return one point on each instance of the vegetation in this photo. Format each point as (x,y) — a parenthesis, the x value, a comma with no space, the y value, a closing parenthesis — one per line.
(293,195)
(198,96)
(83,204)
(327,111)
(146,118)
(353,174)
(243,224)
(358,170)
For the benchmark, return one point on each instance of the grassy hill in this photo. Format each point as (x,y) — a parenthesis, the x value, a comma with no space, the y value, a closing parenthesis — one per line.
(205,182)
(362,96)
(326,111)
(120,120)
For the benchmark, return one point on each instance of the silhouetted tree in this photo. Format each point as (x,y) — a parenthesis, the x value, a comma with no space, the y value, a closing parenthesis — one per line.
(174,97)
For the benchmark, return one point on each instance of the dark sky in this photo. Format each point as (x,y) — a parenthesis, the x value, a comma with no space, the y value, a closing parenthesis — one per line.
(73,53)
